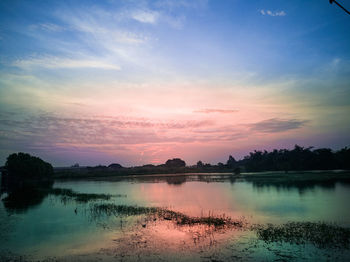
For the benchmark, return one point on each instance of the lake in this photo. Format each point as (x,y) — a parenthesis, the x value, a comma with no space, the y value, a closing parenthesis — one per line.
(61,227)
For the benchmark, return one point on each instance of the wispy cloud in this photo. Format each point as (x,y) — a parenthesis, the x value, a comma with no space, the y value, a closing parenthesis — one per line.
(275,125)
(213,110)
(89,131)
(104,29)
(272,13)
(49,131)
(145,16)
(48,27)
(105,32)
(53,62)
(171,4)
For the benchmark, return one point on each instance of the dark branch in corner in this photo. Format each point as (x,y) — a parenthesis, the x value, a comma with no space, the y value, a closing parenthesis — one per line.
(342,7)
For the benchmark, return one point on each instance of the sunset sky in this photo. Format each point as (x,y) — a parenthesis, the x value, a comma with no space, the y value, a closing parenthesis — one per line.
(136,82)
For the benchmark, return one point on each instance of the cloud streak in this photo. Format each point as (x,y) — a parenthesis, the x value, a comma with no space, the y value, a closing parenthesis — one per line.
(50,27)
(50,129)
(53,62)
(271,13)
(145,16)
(275,125)
(213,110)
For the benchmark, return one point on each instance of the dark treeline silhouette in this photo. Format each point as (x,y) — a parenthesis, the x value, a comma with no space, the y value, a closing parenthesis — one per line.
(25,166)
(297,159)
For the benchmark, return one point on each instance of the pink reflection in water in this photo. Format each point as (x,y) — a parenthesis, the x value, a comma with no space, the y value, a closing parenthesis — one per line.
(166,239)
(193,199)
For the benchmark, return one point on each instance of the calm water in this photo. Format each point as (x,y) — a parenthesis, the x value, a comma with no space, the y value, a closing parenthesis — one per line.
(52,227)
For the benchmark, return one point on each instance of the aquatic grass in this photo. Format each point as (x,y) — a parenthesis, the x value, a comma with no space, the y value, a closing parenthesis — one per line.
(69,194)
(211,220)
(110,209)
(320,234)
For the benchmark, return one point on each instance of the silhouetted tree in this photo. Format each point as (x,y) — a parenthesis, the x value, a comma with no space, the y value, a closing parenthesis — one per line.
(175,162)
(115,166)
(26,181)
(199,164)
(299,158)
(343,158)
(324,159)
(148,166)
(25,166)
(231,162)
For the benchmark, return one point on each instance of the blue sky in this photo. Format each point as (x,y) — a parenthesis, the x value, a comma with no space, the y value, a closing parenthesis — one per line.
(223,71)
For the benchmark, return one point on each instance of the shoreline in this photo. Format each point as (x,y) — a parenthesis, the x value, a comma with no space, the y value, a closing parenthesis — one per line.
(312,175)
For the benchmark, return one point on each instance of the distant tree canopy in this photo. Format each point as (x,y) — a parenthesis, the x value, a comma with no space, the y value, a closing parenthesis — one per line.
(148,166)
(231,162)
(299,158)
(115,166)
(200,163)
(175,162)
(25,166)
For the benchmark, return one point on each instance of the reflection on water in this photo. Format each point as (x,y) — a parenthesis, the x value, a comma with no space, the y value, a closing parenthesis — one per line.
(301,186)
(20,196)
(176,180)
(44,225)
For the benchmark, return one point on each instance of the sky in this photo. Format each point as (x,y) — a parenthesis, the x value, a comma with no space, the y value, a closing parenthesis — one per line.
(137,82)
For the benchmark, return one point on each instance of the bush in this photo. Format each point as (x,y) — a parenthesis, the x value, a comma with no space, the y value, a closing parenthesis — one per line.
(25,166)
(175,162)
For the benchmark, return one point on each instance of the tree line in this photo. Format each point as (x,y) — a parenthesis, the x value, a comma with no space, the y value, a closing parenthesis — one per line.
(24,166)
(299,158)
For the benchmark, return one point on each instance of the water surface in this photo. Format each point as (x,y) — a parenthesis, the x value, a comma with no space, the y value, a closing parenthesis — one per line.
(54,227)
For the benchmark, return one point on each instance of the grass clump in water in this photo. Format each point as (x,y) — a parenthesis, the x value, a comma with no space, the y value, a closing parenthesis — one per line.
(69,194)
(109,209)
(320,234)
(211,220)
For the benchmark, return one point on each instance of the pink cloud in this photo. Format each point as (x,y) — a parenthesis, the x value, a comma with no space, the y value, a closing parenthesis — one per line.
(138,139)
(220,111)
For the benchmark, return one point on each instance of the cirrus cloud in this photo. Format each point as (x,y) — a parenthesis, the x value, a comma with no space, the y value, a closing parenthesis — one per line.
(145,16)
(214,110)
(275,125)
(271,13)
(53,62)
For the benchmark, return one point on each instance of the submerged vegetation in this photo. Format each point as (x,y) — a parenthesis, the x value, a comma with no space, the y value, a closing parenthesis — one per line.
(69,194)
(320,234)
(110,209)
